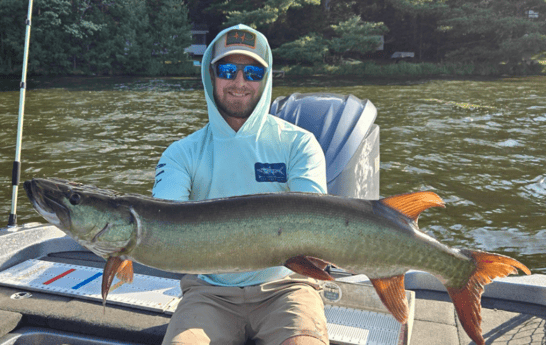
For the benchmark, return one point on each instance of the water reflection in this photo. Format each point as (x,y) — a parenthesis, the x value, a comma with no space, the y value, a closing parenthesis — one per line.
(477,143)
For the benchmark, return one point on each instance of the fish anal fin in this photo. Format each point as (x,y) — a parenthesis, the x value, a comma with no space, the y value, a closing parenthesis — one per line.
(393,295)
(412,204)
(309,266)
(467,299)
(115,266)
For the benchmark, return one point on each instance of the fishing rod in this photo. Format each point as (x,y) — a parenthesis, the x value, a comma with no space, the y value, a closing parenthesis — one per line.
(16,172)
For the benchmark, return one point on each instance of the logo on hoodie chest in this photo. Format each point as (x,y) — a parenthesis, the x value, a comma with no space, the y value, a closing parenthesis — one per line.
(270,172)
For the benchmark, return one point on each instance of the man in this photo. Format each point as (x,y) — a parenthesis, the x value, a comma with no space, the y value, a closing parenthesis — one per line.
(243,150)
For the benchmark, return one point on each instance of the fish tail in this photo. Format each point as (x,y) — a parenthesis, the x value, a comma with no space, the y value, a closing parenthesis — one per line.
(467,299)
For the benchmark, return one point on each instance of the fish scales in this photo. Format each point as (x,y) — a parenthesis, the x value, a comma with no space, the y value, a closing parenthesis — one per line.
(337,231)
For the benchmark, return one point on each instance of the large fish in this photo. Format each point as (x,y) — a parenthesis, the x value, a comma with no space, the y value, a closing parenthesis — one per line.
(305,232)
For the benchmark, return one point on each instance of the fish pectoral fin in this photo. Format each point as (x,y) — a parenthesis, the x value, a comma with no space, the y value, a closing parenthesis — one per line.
(392,294)
(412,204)
(309,266)
(115,267)
(125,271)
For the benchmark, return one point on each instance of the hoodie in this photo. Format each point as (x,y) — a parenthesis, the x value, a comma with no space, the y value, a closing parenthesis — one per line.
(266,155)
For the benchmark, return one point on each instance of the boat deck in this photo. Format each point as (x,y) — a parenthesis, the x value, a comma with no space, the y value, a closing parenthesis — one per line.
(505,320)
(435,322)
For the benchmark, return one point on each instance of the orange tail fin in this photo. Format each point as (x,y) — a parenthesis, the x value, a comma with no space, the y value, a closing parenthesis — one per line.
(468,298)
(115,267)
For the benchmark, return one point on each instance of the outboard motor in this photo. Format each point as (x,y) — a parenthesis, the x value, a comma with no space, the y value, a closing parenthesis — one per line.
(344,127)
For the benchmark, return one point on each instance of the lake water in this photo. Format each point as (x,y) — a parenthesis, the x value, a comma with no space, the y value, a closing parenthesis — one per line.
(479,144)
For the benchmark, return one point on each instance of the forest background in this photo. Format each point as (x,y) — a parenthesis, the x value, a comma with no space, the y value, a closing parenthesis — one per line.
(148,37)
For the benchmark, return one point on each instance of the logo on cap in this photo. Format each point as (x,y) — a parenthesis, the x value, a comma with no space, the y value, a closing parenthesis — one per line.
(237,37)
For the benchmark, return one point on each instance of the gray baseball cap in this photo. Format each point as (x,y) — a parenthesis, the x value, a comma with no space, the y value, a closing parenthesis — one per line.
(240,42)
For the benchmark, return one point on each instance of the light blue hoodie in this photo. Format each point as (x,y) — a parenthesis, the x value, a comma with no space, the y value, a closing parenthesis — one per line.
(266,155)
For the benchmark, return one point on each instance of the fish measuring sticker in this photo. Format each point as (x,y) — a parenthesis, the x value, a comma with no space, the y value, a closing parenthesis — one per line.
(270,172)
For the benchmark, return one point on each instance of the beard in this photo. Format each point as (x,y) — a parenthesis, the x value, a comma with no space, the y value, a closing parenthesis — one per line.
(234,108)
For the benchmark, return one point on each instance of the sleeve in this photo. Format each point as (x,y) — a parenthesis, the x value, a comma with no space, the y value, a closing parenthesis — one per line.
(307,167)
(172,176)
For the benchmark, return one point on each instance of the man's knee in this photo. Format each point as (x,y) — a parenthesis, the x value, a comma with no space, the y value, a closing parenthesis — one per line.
(302,340)
(192,336)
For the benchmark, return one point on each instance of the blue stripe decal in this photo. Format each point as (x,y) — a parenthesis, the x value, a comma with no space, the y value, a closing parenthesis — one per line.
(87,281)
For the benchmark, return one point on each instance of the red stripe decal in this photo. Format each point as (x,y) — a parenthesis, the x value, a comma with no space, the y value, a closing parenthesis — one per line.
(59,276)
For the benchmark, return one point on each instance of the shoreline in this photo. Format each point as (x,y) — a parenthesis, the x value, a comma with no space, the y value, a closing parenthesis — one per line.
(118,82)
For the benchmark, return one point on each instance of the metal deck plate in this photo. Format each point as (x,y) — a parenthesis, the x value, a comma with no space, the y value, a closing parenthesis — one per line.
(146,292)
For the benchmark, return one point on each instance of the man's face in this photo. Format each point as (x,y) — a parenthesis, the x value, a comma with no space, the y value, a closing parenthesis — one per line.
(237,97)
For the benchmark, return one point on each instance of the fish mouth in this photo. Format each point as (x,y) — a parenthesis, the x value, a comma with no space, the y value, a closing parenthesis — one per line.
(45,196)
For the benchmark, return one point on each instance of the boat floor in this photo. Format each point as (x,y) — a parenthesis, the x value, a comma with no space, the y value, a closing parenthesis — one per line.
(504,322)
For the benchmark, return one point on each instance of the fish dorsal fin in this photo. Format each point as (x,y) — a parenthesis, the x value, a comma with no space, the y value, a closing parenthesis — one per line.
(412,204)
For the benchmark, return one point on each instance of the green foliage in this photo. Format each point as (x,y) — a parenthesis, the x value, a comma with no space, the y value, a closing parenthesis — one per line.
(281,21)
(351,36)
(371,69)
(493,32)
(354,35)
(263,13)
(97,37)
(307,50)
(12,35)
(149,36)
(170,34)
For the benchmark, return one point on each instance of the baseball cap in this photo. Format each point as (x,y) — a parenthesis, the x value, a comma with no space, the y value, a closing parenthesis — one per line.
(240,42)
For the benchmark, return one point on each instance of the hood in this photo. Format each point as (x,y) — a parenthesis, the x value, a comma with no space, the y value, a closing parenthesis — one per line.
(219,126)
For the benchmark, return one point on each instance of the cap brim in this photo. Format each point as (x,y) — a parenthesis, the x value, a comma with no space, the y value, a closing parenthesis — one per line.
(242,52)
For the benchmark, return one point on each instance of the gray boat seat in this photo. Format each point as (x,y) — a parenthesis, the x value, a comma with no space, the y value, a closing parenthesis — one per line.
(344,127)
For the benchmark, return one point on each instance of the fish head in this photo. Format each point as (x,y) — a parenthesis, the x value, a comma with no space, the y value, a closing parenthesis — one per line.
(96,218)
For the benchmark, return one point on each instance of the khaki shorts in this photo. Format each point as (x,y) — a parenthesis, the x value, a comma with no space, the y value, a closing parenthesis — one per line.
(269,313)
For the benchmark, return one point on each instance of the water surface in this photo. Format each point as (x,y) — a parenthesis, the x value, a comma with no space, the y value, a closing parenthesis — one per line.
(479,144)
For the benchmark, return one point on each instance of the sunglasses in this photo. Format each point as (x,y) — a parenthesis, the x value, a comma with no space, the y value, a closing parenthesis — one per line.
(229,71)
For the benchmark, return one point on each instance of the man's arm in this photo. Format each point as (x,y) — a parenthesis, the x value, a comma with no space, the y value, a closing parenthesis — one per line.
(172,178)
(307,170)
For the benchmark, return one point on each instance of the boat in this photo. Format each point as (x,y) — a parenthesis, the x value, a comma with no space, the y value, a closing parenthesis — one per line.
(50,291)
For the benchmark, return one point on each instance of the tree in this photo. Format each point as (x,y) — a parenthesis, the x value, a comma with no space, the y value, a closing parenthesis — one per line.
(356,36)
(309,50)
(171,33)
(493,31)
(279,20)
(81,24)
(12,35)
(352,36)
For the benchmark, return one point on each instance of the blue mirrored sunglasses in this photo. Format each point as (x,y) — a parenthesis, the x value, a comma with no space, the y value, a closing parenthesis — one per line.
(229,71)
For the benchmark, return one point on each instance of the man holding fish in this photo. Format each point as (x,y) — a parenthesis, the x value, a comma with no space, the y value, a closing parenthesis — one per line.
(243,150)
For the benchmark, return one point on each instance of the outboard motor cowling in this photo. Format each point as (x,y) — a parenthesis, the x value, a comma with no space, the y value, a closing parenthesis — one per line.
(344,127)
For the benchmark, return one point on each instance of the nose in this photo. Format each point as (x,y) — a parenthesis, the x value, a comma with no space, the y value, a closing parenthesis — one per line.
(239,78)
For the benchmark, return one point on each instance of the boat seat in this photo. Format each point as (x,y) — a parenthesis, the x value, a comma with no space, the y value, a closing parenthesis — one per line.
(344,127)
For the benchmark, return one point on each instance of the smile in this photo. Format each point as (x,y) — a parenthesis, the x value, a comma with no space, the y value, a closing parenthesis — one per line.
(239,94)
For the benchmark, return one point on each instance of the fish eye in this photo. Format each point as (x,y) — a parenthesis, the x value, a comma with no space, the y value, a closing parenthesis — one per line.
(75,198)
